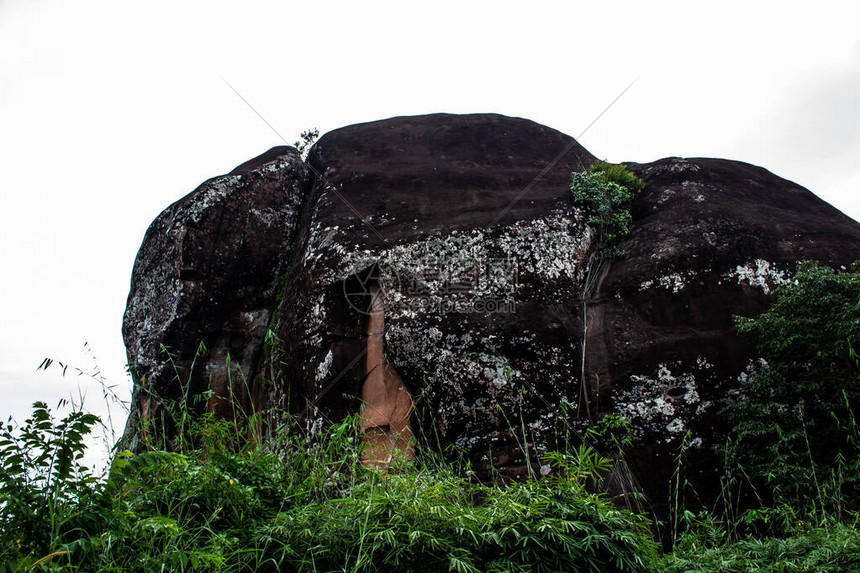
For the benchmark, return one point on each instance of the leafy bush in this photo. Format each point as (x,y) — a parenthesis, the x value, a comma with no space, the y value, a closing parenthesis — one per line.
(306,141)
(618,174)
(794,426)
(45,491)
(611,433)
(813,325)
(605,192)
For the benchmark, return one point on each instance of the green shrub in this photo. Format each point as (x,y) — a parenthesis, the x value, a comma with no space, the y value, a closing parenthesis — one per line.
(611,433)
(605,192)
(306,141)
(45,490)
(618,174)
(794,429)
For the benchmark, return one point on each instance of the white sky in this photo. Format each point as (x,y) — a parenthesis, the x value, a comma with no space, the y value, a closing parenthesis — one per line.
(109,113)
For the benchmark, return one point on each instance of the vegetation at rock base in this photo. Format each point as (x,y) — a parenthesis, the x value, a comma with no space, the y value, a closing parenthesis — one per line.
(794,430)
(317,509)
(307,509)
(305,503)
(794,444)
(823,547)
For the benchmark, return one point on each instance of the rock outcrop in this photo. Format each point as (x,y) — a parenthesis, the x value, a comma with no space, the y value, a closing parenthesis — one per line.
(209,271)
(433,268)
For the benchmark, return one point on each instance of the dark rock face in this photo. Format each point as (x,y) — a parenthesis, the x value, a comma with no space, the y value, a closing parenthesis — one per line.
(208,272)
(416,199)
(467,226)
(711,238)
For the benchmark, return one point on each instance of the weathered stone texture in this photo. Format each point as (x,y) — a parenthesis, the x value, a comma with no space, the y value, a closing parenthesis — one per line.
(467,225)
(208,271)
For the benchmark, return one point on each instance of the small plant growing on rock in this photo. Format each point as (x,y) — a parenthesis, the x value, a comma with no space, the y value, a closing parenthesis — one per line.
(618,174)
(605,192)
(305,141)
(611,433)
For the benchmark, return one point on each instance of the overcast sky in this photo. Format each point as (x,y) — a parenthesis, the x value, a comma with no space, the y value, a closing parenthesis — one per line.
(110,111)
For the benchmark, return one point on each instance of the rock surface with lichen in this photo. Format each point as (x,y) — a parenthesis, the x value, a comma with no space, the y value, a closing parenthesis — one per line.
(467,225)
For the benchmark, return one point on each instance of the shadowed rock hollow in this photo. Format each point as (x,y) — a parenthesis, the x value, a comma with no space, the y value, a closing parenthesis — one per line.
(432,268)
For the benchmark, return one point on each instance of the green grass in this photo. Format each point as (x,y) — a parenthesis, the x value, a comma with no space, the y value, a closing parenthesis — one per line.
(834,547)
(315,508)
(294,502)
(222,508)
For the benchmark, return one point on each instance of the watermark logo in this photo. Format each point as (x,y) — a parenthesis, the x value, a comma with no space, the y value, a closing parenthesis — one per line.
(368,280)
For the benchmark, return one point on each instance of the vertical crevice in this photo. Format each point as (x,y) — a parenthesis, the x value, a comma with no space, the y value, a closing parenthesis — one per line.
(386,403)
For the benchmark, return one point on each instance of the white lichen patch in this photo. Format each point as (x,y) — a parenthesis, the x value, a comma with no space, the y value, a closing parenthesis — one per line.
(482,390)
(269,217)
(759,273)
(664,401)
(680,165)
(676,426)
(324,367)
(665,195)
(674,282)
(483,262)
(550,247)
(694,189)
(451,386)
(211,193)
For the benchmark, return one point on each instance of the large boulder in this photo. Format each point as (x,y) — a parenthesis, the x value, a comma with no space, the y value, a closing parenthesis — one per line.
(486,337)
